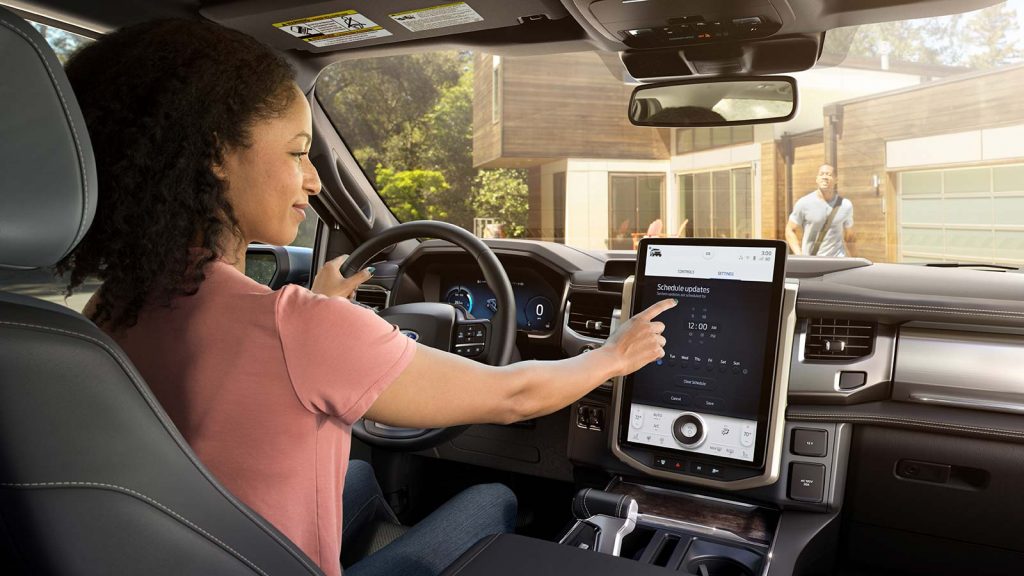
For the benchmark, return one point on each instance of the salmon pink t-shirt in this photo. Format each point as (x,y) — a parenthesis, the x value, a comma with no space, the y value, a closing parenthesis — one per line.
(265,386)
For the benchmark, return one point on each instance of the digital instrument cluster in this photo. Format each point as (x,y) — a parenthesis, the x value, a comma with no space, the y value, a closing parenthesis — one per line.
(537,305)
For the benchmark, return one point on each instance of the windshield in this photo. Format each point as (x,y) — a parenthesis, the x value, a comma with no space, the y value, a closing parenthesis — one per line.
(908,147)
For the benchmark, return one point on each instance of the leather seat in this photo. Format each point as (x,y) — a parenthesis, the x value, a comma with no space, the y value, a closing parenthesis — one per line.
(94,477)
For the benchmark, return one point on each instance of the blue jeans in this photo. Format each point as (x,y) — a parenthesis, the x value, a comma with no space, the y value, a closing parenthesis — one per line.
(438,540)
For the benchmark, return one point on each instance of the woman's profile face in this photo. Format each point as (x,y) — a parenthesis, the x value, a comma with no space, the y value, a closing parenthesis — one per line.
(270,182)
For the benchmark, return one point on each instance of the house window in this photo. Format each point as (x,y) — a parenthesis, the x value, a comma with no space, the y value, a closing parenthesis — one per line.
(962,215)
(717,204)
(696,139)
(635,202)
(495,88)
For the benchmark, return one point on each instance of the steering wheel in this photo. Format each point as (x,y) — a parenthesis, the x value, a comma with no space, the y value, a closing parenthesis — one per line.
(439,324)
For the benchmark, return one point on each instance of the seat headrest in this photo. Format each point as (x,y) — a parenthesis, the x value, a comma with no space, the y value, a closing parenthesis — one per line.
(47,170)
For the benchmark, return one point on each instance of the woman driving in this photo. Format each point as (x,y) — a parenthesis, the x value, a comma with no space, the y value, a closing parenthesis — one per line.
(201,138)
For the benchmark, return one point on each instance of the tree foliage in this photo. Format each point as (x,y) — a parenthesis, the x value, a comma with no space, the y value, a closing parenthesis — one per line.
(992,33)
(413,194)
(503,194)
(377,104)
(412,118)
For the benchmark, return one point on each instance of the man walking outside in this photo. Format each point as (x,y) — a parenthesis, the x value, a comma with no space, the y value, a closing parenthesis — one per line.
(822,222)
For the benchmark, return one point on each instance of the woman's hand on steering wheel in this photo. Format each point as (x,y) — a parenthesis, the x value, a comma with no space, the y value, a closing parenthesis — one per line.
(329,280)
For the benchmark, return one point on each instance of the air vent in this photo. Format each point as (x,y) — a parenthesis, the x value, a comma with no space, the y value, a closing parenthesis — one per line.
(591,315)
(832,339)
(372,296)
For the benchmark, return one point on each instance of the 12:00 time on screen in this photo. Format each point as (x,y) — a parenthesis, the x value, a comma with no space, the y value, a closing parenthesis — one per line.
(702,326)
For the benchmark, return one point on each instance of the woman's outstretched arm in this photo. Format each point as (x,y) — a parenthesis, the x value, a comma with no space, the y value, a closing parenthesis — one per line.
(438,389)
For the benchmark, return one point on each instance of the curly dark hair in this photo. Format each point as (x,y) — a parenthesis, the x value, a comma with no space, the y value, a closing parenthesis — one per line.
(163,101)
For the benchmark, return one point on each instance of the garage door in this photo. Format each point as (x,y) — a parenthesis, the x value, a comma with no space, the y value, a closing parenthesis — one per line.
(963,215)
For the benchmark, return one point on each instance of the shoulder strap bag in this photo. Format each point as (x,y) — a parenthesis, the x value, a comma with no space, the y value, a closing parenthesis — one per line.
(836,203)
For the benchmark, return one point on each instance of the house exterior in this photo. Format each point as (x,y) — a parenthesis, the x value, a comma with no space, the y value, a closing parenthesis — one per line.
(923,190)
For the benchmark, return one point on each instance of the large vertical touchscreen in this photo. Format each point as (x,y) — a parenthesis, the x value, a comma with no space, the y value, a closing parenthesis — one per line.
(710,395)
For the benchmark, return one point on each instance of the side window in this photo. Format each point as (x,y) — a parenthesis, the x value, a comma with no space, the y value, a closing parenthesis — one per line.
(307,230)
(43,283)
(62,42)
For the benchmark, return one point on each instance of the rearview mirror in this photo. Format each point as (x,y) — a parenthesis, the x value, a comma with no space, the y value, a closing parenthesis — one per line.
(714,101)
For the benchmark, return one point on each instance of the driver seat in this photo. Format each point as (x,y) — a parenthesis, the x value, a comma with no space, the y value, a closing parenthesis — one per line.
(94,477)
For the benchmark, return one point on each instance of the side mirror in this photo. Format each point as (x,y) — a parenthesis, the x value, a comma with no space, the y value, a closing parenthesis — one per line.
(719,101)
(275,266)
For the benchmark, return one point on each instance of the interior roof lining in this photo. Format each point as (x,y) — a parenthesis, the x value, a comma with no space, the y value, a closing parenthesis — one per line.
(570,34)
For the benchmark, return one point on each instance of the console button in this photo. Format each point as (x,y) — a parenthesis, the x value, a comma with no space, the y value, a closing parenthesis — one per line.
(677,398)
(708,470)
(698,382)
(852,380)
(708,403)
(670,464)
(809,442)
(637,421)
(806,482)
(688,429)
(747,436)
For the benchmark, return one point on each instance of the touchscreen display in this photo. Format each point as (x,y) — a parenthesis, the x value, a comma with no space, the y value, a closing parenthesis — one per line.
(711,393)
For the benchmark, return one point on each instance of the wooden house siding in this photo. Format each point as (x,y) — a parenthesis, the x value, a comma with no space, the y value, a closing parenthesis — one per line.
(862,128)
(557,106)
(486,132)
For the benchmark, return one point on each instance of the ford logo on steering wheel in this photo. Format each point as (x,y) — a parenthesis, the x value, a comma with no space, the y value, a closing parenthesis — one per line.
(412,334)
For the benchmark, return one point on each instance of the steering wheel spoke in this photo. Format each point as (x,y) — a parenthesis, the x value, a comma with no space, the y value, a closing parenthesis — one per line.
(470,338)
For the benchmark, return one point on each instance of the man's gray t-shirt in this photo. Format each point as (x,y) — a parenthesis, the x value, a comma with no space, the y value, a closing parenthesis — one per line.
(810,213)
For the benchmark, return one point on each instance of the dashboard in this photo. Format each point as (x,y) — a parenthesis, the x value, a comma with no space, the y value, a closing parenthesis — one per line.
(905,398)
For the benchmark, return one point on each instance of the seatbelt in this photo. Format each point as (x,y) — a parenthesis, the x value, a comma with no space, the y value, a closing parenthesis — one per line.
(836,203)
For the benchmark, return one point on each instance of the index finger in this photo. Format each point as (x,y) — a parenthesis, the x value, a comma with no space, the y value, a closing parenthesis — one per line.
(657,308)
(336,262)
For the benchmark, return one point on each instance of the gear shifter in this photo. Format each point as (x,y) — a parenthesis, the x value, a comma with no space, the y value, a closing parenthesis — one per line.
(612,515)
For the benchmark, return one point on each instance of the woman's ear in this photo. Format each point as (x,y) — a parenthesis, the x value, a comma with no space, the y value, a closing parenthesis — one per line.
(219,160)
(218,170)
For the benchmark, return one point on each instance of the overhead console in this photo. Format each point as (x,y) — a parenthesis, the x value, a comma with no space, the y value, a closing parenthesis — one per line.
(711,412)
(668,23)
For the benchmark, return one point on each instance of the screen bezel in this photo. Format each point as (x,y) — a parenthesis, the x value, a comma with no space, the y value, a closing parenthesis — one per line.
(772,340)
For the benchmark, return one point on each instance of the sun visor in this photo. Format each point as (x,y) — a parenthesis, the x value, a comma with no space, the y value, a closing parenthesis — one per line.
(330,26)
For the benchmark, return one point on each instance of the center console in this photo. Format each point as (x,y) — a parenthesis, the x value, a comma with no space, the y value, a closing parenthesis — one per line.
(638,530)
(682,532)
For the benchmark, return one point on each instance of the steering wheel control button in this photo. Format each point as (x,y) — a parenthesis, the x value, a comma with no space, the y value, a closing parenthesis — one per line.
(470,339)
(809,442)
(806,482)
(689,430)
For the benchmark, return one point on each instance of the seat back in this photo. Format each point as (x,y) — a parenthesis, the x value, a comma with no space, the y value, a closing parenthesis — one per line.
(94,477)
